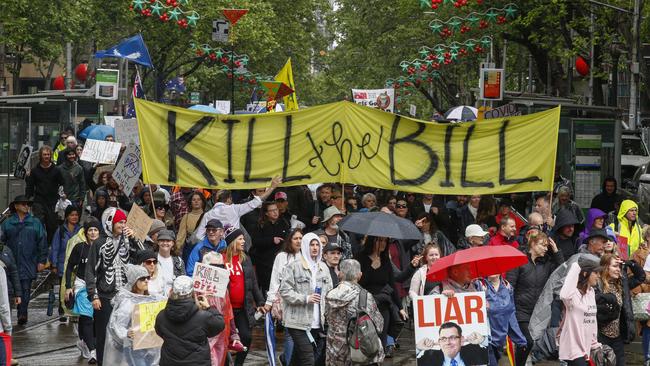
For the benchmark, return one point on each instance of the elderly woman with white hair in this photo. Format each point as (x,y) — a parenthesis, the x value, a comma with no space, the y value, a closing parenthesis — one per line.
(563,201)
(341,304)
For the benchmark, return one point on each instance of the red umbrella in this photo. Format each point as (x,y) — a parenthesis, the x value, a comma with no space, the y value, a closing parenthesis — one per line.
(482,261)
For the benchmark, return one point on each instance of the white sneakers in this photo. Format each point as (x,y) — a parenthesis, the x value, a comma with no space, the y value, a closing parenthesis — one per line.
(93,357)
(83,348)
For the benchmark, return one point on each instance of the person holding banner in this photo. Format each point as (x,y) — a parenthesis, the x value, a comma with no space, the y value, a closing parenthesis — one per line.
(213,242)
(245,295)
(119,349)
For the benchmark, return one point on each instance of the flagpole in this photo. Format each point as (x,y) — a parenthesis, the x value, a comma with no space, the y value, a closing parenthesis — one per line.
(232,79)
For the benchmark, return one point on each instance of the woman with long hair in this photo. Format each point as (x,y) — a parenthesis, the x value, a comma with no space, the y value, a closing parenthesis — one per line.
(149,260)
(419,284)
(378,279)
(486,213)
(579,330)
(267,238)
(289,252)
(245,296)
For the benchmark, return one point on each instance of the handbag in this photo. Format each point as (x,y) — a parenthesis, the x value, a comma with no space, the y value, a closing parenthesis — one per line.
(640,306)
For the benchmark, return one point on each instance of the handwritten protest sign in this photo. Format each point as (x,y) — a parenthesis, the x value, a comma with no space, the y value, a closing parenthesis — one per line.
(437,319)
(22,163)
(211,280)
(126,131)
(143,320)
(348,143)
(103,152)
(139,222)
(128,169)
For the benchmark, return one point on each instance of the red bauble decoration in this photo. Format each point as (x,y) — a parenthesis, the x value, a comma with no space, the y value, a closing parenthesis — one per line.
(582,66)
(81,72)
(58,83)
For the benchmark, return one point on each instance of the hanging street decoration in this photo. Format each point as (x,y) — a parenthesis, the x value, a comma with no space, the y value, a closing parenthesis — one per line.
(216,56)
(434,4)
(473,21)
(234,15)
(166,11)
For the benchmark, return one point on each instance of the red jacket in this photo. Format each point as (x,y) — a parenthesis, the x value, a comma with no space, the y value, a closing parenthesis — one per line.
(499,239)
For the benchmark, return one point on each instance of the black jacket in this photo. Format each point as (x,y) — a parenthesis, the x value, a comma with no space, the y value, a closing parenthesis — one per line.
(466,218)
(185,330)
(567,246)
(253,293)
(264,249)
(529,280)
(471,354)
(43,185)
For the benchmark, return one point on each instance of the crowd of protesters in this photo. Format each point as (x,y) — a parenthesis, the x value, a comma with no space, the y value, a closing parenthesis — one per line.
(286,255)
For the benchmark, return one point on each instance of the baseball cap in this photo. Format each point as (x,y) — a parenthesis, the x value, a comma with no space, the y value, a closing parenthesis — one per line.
(214,223)
(280,196)
(474,230)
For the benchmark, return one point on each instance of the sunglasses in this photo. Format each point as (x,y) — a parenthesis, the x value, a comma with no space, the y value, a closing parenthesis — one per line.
(335,197)
(151,261)
(144,278)
(161,208)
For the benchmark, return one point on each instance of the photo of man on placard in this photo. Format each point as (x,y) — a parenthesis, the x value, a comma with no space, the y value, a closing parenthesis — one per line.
(452,348)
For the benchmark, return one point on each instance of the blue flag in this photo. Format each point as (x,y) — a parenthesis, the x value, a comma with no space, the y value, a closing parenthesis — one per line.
(132,49)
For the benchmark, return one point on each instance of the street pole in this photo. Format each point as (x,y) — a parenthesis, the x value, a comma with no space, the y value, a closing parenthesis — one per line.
(634,66)
(232,79)
(591,60)
(68,65)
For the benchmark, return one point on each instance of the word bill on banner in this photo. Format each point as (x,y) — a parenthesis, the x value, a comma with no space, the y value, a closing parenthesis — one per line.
(451,327)
(210,280)
(348,143)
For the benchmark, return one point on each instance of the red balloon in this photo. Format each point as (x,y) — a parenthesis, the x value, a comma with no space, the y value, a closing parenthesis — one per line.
(59,83)
(582,66)
(81,72)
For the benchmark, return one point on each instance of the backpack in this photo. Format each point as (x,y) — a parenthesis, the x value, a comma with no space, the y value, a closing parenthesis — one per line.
(362,336)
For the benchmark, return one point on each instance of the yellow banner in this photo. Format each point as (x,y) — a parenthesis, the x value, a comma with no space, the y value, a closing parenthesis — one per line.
(347,143)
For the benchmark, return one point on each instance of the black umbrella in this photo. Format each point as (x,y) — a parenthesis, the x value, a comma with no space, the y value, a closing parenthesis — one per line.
(380,224)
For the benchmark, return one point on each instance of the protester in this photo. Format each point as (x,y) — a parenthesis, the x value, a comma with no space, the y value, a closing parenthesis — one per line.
(105,273)
(74,181)
(506,209)
(101,203)
(228,213)
(402,209)
(6,327)
(564,232)
(332,257)
(42,184)
(596,219)
(213,241)
(486,213)
(11,270)
(378,279)
(188,225)
(467,213)
(579,331)
(431,234)
(63,233)
(267,238)
(563,202)
(332,217)
(170,265)
(119,332)
(501,317)
(459,280)
(60,145)
(156,285)
(289,252)
(420,286)
(529,280)
(76,287)
(245,295)
(25,236)
(341,304)
(507,234)
(627,225)
(303,282)
(475,236)
(70,144)
(543,207)
(608,199)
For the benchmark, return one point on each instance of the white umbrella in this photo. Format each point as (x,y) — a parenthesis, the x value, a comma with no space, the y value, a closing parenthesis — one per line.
(462,113)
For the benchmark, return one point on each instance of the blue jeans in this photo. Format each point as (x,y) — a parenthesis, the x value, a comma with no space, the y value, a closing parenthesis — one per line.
(288,345)
(26,286)
(645,342)
(390,341)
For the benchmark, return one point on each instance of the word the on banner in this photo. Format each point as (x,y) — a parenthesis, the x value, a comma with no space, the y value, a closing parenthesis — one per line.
(128,169)
(126,131)
(449,326)
(102,152)
(383,99)
(144,321)
(210,280)
(347,143)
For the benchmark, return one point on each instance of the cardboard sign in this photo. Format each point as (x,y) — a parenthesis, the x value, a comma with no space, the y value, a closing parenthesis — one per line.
(22,163)
(128,169)
(139,222)
(126,131)
(144,321)
(436,335)
(383,99)
(210,280)
(623,246)
(102,152)
(100,170)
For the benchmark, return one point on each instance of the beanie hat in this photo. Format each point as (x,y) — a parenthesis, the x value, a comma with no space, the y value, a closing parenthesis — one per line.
(133,274)
(92,222)
(119,216)
(70,209)
(182,286)
(145,254)
(232,233)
